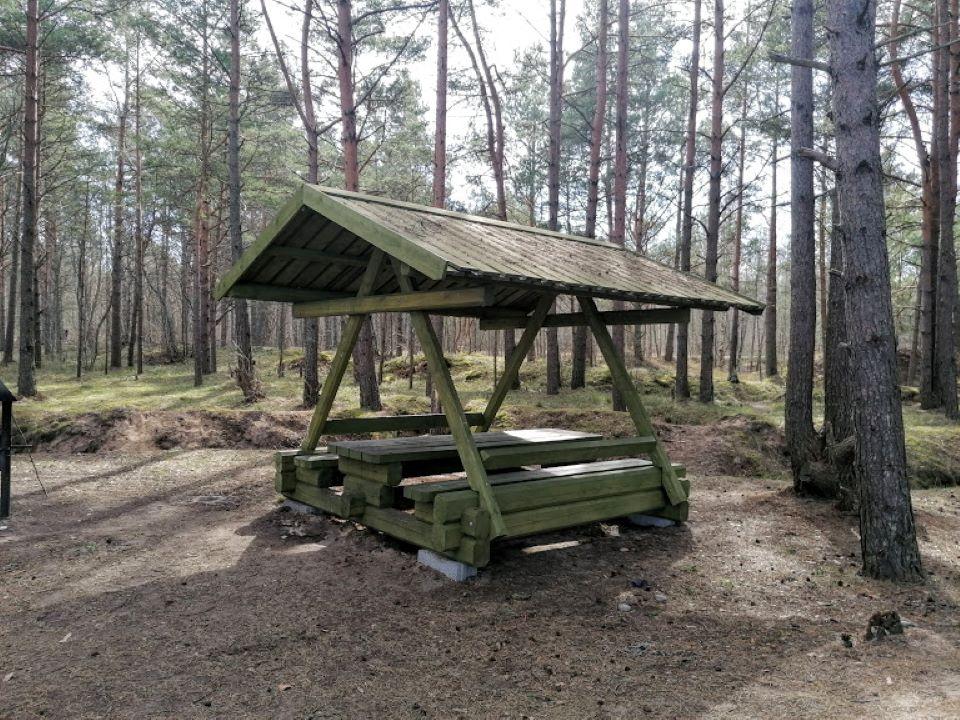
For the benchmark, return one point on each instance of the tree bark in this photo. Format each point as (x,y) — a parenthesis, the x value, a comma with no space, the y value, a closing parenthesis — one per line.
(12,298)
(770,314)
(135,347)
(713,203)
(553,168)
(800,435)
(116,267)
(947,120)
(26,384)
(682,381)
(580,336)
(364,362)
(246,376)
(887,530)
(733,359)
(618,234)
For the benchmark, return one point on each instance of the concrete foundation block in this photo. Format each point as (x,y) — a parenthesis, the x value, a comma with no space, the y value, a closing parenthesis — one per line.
(453,569)
(649,521)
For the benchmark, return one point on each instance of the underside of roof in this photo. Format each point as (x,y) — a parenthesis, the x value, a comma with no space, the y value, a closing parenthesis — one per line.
(319,245)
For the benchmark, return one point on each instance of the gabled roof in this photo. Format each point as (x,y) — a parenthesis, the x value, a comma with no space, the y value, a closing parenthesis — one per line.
(318,245)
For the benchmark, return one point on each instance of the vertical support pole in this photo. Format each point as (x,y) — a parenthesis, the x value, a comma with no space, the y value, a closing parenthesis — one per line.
(622,380)
(341,359)
(6,439)
(453,409)
(515,360)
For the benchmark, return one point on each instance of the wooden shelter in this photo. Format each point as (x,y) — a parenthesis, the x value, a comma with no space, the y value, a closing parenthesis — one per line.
(332,252)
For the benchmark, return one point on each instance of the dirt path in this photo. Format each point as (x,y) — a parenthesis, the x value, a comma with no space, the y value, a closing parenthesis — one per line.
(167,585)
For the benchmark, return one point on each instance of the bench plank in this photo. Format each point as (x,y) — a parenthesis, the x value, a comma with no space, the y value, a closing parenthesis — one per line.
(565,452)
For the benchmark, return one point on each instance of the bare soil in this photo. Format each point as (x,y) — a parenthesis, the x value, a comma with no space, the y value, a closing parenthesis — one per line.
(170,585)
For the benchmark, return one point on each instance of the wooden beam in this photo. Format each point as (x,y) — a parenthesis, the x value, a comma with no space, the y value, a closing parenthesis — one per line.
(512,367)
(390,423)
(351,331)
(277,293)
(311,255)
(615,317)
(572,451)
(621,378)
(452,407)
(426,301)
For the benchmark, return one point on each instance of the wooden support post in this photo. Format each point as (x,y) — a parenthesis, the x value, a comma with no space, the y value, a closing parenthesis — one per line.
(621,378)
(514,362)
(453,408)
(331,383)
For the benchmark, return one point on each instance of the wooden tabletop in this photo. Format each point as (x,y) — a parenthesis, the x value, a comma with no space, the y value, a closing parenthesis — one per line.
(430,447)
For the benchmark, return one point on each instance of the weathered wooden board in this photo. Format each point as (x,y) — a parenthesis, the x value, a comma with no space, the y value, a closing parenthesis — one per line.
(426,491)
(555,517)
(428,301)
(570,451)
(343,504)
(428,447)
(653,316)
(392,423)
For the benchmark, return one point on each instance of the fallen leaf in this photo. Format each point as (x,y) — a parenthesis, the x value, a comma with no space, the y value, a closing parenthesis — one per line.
(281,688)
(66,637)
(8,677)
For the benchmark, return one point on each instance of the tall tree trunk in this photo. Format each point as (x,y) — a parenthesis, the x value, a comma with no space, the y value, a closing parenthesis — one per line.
(770,314)
(733,359)
(924,316)
(678,232)
(946,364)
(800,435)
(82,282)
(929,260)
(135,348)
(12,298)
(363,353)
(837,412)
(553,168)
(246,377)
(26,384)
(440,157)
(887,530)
(116,267)
(618,234)
(682,382)
(713,203)
(579,359)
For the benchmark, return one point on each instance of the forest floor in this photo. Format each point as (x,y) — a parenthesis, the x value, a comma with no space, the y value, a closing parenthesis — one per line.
(170,584)
(156,575)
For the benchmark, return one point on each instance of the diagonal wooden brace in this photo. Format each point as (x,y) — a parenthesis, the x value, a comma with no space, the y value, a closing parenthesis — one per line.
(514,362)
(622,380)
(341,359)
(453,409)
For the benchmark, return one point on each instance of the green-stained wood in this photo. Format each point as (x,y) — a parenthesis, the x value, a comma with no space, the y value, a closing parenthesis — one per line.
(279,293)
(571,451)
(401,524)
(316,462)
(472,551)
(476,523)
(376,494)
(290,208)
(427,491)
(343,505)
(308,254)
(392,423)
(351,332)
(284,481)
(512,367)
(614,317)
(638,413)
(431,300)
(547,492)
(390,242)
(555,517)
(452,407)
(390,474)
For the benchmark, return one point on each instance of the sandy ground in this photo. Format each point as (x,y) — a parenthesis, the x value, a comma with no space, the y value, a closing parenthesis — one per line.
(168,585)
